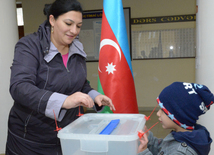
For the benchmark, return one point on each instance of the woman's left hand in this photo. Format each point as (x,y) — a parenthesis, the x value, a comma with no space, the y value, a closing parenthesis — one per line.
(104,100)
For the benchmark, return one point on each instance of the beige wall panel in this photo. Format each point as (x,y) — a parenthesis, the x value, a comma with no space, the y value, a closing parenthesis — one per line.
(151,76)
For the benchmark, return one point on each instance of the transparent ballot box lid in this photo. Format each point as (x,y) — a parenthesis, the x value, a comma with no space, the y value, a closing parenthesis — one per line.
(102,134)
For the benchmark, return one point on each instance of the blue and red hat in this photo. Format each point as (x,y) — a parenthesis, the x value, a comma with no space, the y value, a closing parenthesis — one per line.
(185,102)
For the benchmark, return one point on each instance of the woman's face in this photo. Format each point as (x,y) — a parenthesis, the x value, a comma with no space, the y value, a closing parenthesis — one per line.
(66,27)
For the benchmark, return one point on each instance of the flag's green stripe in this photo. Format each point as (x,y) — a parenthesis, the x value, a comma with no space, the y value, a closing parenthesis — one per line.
(99,86)
(100,90)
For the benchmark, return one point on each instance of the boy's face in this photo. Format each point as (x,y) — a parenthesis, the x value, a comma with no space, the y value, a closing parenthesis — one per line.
(167,123)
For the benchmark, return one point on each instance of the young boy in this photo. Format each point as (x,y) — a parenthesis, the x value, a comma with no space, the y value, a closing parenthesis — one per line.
(180,106)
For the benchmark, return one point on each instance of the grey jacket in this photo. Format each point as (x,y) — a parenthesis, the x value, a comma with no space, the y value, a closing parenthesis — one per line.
(167,146)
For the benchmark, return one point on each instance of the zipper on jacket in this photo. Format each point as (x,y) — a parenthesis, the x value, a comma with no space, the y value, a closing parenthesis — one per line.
(67,69)
(26,123)
(67,65)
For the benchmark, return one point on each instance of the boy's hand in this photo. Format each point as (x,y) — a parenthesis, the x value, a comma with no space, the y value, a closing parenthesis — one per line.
(145,129)
(143,143)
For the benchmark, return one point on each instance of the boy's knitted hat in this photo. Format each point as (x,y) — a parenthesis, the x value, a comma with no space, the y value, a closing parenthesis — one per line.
(185,102)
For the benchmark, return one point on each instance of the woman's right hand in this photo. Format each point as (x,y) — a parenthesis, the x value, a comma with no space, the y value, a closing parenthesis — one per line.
(78,99)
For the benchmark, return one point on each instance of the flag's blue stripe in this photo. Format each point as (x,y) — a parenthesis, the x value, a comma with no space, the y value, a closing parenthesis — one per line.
(115,15)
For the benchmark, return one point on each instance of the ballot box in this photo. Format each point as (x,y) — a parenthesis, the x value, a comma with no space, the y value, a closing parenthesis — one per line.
(102,134)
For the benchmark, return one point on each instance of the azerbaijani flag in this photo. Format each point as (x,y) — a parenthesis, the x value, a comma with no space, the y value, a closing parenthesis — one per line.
(115,78)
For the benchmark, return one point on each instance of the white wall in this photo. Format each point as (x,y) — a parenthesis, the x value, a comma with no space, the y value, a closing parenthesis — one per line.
(204,59)
(8,38)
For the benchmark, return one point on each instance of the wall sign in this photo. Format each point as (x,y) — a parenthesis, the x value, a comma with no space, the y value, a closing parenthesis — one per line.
(164,19)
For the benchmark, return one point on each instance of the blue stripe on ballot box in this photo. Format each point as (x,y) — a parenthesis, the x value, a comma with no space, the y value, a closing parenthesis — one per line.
(110,127)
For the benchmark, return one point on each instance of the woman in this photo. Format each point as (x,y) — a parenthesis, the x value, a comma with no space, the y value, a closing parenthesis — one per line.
(48,78)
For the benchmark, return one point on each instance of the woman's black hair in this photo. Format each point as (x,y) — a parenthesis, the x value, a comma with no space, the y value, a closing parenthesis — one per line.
(60,7)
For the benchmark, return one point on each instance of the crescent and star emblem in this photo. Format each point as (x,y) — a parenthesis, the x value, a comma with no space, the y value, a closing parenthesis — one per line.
(110,67)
